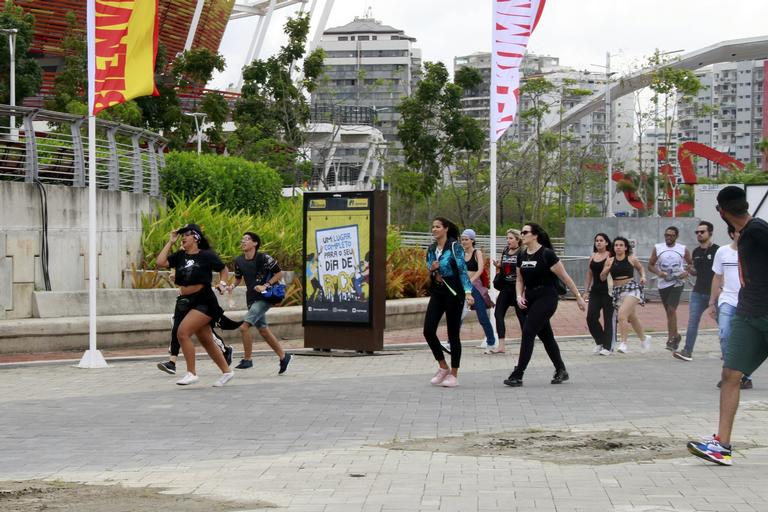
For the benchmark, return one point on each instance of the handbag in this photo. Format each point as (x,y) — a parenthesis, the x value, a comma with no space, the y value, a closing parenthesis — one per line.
(274,293)
(560,286)
(498,281)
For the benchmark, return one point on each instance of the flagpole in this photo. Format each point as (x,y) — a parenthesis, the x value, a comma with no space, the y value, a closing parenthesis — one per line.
(92,358)
(493,212)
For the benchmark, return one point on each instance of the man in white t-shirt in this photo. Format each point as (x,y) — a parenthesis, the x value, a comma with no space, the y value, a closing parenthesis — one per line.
(725,293)
(670,261)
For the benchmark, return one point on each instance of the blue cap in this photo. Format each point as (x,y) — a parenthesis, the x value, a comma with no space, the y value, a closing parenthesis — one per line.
(469,233)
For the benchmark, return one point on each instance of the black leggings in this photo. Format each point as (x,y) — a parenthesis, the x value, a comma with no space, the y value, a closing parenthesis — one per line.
(602,333)
(541,307)
(452,306)
(507,298)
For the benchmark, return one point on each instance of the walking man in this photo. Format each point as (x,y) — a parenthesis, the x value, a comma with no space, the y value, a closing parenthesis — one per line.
(703,256)
(748,344)
(669,260)
(260,271)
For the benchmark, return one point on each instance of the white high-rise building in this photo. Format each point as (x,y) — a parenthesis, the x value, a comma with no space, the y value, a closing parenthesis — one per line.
(734,119)
(591,129)
(369,64)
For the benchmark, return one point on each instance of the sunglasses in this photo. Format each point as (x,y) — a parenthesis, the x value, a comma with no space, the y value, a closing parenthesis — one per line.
(699,232)
(525,232)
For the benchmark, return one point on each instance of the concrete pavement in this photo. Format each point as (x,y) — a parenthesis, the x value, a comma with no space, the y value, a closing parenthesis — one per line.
(310,440)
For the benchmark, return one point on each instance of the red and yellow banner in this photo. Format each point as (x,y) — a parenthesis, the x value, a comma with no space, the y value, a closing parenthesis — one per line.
(125,46)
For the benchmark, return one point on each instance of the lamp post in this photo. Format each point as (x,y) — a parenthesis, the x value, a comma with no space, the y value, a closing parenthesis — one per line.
(609,134)
(199,121)
(11,33)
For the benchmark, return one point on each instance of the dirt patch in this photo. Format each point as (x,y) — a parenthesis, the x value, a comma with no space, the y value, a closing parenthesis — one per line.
(37,495)
(555,446)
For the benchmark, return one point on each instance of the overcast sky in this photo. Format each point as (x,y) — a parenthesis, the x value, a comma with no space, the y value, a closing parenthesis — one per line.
(579,32)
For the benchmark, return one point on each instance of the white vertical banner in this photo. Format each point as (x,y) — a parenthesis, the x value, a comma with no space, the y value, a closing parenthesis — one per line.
(92,357)
(513,24)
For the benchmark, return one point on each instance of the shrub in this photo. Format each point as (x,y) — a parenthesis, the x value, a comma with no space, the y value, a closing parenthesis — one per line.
(233,182)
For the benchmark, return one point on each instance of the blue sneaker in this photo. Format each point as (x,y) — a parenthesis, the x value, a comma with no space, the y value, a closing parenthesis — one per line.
(710,449)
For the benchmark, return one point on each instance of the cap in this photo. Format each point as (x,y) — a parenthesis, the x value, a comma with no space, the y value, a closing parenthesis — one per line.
(194,228)
(469,233)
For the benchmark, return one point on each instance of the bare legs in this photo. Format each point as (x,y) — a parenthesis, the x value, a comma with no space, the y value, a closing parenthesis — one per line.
(198,324)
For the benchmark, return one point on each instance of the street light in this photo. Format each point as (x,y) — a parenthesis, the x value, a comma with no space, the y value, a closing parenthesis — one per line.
(11,32)
(609,135)
(199,121)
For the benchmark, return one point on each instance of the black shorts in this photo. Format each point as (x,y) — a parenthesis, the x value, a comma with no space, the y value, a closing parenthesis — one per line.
(670,296)
(203,301)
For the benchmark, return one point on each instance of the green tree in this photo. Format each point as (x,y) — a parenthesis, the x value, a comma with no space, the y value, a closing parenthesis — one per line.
(435,134)
(28,74)
(273,106)
(762,147)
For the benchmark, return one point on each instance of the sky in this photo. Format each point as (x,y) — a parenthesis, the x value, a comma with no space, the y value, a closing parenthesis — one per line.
(579,32)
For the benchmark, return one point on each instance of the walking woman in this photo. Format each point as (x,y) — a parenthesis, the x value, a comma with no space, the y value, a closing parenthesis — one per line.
(627,293)
(538,269)
(599,297)
(505,279)
(196,305)
(449,288)
(475,262)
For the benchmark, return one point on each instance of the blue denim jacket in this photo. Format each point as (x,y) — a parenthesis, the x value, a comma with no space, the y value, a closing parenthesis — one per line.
(446,268)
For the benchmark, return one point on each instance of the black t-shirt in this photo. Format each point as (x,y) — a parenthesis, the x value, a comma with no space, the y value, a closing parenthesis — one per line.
(753,269)
(535,268)
(702,264)
(256,272)
(195,268)
(509,266)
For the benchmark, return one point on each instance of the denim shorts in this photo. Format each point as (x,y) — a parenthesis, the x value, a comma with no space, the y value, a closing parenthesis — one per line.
(257,313)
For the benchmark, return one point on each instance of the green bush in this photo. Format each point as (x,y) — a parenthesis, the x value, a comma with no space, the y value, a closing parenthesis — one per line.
(232,182)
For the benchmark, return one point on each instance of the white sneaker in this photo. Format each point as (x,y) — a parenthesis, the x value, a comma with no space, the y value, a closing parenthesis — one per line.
(597,349)
(645,345)
(225,377)
(622,348)
(189,378)
(484,344)
(604,352)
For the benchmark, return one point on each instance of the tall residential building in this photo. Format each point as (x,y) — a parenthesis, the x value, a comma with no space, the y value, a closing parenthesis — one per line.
(369,64)
(590,129)
(735,120)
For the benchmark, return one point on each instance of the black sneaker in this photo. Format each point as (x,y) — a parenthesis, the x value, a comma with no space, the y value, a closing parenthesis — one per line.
(515,379)
(746,383)
(244,363)
(228,354)
(674,343)
(168,367)
(284,362)
(559,377)
(683,355)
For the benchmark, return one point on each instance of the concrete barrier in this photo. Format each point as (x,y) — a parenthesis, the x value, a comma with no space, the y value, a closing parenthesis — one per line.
(141,318)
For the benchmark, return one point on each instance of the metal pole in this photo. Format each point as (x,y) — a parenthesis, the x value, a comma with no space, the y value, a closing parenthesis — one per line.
(493,208)
(193,26)
(14,134)
(609,135)
(656,176)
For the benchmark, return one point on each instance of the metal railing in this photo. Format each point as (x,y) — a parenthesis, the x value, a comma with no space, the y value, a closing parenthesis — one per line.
(53,146)
(483,242)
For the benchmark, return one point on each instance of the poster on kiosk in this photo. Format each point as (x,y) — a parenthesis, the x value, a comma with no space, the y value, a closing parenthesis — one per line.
(337,256)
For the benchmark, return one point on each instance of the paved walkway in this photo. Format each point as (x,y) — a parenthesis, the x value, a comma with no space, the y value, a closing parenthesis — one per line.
(310,440)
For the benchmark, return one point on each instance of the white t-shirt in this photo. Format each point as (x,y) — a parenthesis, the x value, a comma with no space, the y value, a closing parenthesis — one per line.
(672,261)
(726,264)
